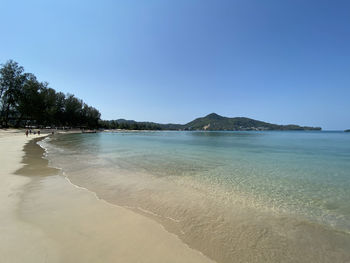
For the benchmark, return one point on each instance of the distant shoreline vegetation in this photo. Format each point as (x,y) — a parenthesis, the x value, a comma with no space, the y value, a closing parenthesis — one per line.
(348,130)
(211,122)
(27,102)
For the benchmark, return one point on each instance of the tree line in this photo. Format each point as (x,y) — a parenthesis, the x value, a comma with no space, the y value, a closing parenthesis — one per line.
(129,125)
(25,101)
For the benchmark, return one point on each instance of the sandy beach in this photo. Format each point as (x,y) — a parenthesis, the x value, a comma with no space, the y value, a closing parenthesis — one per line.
(47,219)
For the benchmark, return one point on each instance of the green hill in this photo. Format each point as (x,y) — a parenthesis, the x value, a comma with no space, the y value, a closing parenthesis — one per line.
(215,122)
(211,122)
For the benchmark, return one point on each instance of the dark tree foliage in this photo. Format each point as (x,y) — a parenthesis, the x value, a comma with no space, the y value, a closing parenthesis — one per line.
(26,101)
(129,125)
(11,84)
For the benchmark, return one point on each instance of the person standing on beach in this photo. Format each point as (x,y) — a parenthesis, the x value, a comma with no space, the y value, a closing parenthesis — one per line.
(38,132)
(27,133)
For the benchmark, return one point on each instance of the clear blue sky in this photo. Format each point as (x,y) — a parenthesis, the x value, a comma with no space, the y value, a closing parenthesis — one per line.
(171,61)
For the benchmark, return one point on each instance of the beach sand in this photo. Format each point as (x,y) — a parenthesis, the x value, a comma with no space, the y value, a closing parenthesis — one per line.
(47,219)
(19,240)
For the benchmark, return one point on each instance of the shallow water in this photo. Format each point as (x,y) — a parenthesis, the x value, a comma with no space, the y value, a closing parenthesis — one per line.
(235,196)
(76,226)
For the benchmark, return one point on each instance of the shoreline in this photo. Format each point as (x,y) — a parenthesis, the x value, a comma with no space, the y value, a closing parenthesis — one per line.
(48,218)
(53,219)
(251,234)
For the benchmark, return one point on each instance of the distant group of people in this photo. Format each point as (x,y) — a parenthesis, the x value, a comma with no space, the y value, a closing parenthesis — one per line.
(30,132)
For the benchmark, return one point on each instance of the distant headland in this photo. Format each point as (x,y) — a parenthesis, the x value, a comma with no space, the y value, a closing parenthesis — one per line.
(211,122)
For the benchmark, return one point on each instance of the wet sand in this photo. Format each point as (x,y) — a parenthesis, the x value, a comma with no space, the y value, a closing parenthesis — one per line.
(44,218)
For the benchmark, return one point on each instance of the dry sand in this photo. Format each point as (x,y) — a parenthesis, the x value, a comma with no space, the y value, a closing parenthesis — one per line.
(47,219)
(19,241)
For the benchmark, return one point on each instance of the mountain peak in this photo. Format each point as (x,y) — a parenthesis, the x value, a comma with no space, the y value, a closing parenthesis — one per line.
(215,122)
(213,116)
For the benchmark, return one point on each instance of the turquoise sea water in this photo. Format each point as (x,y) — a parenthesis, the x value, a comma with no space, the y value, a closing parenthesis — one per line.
(201,181)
